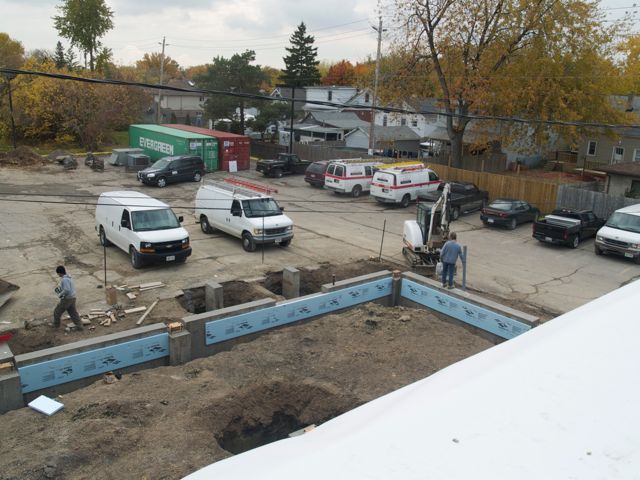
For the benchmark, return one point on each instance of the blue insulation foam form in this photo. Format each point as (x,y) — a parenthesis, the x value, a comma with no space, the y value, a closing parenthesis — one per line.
(294,310)
(86,364)
(470,313)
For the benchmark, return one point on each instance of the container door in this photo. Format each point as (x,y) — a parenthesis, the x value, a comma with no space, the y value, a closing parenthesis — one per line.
(210,156)
(196,147)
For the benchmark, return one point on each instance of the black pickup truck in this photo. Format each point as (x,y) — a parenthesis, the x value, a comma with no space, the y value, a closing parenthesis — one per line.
(464,197)
(285,164)
(567,227)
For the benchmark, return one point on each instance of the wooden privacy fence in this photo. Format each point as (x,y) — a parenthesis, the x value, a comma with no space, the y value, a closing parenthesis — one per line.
(537,192)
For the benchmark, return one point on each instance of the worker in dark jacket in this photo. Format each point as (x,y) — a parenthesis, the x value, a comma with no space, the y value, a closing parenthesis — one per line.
(448,256)
(66,291)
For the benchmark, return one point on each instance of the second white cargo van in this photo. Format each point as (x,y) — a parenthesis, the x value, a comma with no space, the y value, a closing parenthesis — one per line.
(144,227)
(350,176)
(244,210)
(401,185)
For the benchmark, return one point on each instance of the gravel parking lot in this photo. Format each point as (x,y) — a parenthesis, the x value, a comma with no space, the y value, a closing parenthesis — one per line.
(54,224)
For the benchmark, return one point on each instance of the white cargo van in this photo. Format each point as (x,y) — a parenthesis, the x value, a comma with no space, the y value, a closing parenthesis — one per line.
(401,185)
(350,176)
(244,210)
(144,227)
(621,234)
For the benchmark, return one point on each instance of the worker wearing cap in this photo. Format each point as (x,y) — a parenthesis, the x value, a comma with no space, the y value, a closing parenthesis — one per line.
(66,291)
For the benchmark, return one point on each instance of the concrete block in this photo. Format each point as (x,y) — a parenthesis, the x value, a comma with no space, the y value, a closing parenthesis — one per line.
(10,392)
(179,348)
(290,282)
(213,296)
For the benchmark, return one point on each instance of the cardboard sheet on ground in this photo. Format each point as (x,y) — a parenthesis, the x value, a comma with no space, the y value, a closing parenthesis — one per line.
(46,405)
(557,402)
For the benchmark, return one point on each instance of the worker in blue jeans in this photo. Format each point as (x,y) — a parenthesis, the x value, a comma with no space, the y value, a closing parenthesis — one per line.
(448,256)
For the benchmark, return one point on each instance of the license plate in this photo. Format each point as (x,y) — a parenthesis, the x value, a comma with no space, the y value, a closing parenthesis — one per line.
(490,220)
(628,255)
(548,239)
(278,240)
(170,258)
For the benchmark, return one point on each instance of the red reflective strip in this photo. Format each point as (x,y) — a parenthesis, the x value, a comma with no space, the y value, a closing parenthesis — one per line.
(395,187)
(346,178)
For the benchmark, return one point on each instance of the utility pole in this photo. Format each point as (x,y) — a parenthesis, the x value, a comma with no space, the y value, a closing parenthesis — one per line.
(293,102)
(9,77)
(372,143)
(161,75)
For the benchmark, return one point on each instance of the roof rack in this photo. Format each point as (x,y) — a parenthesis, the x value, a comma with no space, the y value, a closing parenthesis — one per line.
(353,160)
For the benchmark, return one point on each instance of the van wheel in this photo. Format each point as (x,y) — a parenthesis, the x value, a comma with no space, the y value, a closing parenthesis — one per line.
(404,203)
(277,173)
(248,243)
(162,182)
(455,213)
(136,260)
(285,243)
(356,192)
(197,176)
(575,241)
(205,226)
(597,250)
(103,238)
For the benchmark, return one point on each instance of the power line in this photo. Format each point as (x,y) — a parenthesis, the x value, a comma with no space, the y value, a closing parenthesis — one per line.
(386,109)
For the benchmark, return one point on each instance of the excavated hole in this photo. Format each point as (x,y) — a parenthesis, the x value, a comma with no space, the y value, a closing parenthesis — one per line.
(263,414)
(193,300)
(273,282)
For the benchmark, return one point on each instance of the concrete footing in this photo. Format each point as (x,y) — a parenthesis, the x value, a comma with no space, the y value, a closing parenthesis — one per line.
(213,296)
(290,282)
(179,348)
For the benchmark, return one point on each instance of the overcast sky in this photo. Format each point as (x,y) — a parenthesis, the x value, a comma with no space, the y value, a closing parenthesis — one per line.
(198,30)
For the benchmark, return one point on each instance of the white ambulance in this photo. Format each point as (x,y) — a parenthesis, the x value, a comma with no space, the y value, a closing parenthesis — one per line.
(350,176)
(401,185)
(245,210)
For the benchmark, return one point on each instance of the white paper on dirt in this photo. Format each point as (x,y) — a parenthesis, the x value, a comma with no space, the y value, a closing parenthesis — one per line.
(558,402)
(45,405)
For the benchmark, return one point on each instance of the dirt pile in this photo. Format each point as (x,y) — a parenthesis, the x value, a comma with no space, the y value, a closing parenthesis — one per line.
(22,157)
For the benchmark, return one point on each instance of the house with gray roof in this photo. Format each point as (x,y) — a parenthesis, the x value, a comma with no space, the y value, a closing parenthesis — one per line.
(623,178)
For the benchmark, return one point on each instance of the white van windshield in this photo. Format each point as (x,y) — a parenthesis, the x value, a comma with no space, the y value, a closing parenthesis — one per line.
(624,221)
(147,220)
(261,207)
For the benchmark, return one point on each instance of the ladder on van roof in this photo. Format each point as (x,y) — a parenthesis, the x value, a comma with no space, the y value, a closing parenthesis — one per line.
(241,187)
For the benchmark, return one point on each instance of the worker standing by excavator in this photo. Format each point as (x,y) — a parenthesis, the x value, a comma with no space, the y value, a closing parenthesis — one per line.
(448,256)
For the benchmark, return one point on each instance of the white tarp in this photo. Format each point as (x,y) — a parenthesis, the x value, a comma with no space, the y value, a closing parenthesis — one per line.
(559,402)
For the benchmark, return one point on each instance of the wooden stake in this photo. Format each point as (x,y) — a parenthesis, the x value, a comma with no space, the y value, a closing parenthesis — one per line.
(144,315)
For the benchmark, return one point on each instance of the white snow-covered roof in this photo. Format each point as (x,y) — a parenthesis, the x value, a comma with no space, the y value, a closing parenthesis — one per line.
(561,401)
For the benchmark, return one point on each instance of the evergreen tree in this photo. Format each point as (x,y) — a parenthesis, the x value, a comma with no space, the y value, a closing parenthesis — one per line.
(301,66)
(58,56)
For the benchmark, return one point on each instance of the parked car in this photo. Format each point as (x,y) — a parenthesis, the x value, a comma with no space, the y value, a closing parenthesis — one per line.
(465,197)
(314,174)
(285,164)
(508,212)
(145,228)
(567,227)
(621,234)
(182,168)
(352,176)
(401,185)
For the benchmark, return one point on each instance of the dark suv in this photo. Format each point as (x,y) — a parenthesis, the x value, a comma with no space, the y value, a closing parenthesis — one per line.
(181,168)
(314,175)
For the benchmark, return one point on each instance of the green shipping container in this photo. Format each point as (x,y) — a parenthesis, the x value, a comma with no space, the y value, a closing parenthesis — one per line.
(158,142)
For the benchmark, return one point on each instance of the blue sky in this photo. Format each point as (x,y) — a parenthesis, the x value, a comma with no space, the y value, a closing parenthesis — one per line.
(198,30)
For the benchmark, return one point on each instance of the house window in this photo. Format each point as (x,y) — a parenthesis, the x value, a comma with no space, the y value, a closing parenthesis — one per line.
(366,98)
(403,121)
(591,148)
(636,155)
(384,121)
(634,191)
(618,154)
(329,95)
(414,122)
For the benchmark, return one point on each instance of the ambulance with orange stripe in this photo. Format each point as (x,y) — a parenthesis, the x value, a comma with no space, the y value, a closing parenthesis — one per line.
(401,185)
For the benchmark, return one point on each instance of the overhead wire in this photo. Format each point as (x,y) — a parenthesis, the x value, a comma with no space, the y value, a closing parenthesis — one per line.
(387,109)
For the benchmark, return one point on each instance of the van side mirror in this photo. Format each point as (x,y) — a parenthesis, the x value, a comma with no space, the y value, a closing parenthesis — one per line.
(124,223)
(282,209)
(180,219)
